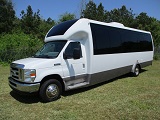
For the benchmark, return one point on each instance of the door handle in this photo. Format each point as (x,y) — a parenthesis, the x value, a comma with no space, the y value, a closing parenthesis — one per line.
(57,64)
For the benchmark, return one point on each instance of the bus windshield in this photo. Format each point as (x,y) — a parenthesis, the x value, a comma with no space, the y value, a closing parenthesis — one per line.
(51,49)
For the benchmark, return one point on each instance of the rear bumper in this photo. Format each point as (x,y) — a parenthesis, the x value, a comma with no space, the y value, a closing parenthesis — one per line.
(23,87)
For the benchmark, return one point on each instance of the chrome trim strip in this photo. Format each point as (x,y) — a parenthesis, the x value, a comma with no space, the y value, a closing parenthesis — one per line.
(19,66)
(75,81)
(75,77)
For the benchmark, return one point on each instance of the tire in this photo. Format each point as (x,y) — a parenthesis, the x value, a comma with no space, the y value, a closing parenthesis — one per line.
(50,90)
(136,71)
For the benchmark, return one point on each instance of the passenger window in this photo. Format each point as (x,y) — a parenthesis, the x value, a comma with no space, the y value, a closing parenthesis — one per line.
(69,50)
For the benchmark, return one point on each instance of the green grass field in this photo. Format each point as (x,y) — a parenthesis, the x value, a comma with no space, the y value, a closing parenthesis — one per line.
(124,98)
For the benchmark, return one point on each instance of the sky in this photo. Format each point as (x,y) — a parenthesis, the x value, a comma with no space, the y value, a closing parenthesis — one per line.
(55,8)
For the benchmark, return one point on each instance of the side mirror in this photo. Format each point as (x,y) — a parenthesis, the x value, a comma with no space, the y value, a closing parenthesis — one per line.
(76,53)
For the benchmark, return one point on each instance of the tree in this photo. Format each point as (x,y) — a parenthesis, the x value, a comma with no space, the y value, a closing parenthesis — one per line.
(50,21)
(44,27)
(155,30)
(143,21)
(127,16)
(121,15)
(7,16)
(65,17)
(30,21)
(82,7)
(100,13)
(90,12)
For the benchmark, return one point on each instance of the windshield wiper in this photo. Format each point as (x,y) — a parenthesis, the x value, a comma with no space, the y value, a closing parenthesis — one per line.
(43,56)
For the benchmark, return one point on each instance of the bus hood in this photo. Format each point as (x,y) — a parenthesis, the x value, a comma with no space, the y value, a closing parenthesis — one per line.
(36,63)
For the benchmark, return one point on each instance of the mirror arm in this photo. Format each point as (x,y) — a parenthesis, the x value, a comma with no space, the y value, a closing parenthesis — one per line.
(64,56)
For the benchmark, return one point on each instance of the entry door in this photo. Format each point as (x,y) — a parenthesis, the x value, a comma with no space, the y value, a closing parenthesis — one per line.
(73,68)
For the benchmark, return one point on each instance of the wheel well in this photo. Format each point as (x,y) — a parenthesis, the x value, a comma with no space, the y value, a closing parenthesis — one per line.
(133,67)
(139,66)
(55,76)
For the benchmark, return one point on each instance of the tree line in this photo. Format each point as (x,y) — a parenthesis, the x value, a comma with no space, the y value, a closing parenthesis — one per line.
(22,37)
(27,32)
(123,15)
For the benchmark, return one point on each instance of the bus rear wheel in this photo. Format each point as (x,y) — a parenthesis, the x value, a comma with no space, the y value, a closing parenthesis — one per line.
(136,71)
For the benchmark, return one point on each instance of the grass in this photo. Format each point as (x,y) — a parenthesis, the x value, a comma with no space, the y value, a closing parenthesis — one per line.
(124,98)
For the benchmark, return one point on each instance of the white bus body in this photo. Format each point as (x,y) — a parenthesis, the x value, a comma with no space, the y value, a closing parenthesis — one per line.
(80,53)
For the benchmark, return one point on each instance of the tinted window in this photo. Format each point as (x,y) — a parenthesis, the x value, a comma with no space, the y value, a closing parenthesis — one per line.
(106,39)
(110,40)
(61,28)
(115,40)
(101,41)
(70,48)
(129,41)
(145,42)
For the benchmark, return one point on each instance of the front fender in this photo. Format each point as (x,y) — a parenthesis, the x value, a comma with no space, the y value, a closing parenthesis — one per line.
(42,73)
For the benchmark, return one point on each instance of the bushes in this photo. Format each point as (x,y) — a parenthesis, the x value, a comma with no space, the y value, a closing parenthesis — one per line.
(17,45)
(157,53)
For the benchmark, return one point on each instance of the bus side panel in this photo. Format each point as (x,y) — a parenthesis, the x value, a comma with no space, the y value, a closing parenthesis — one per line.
(108,66)
(109,74)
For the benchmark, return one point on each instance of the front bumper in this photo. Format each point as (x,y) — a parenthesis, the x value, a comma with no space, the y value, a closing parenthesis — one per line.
(23,87)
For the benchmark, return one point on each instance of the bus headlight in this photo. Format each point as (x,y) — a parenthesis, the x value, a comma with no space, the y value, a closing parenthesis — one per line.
(29,75)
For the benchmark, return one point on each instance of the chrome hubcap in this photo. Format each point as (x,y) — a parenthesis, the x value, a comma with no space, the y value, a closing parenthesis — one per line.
(137,71)
(52,91)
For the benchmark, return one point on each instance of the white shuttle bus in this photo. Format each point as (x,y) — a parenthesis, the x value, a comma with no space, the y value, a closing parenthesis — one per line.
(81,53)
